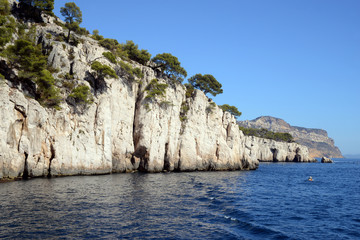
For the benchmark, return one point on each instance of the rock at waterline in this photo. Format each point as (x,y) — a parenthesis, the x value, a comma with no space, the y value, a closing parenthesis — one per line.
(326,160)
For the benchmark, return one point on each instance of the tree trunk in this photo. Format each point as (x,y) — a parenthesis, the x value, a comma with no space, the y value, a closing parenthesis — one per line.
(68,37)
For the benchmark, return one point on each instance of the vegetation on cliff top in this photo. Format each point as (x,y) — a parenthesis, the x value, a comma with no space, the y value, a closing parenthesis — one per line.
(31,59)
(231,109)
(170,66)
(264,133)
(206,83)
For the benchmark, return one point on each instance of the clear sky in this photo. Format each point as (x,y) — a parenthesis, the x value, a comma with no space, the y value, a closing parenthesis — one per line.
(298,60)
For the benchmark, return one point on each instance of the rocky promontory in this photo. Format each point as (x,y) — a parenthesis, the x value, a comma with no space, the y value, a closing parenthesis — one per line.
(121,129)
(316,140)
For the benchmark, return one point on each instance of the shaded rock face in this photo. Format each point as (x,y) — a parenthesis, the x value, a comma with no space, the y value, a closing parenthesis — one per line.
(317,140)
(122,131)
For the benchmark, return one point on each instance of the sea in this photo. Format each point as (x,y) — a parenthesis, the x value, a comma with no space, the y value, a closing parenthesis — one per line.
(276,201)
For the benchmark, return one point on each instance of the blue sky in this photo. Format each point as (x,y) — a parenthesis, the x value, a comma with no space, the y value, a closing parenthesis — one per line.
(297,60)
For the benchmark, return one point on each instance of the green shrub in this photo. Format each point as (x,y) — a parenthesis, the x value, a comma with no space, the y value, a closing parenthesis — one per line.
(60,38)
(52,69)
(170,66)
(21,27)
(2,78)
(124,51)
(189,90)
(165,103)
(141,56)
(59,24)
(264,133)
(82,31)
(231,109)
(138,73)
(96,35)
(68,85)
(130,71)
(49,95)
(26,56)
(7,28)
(183,111)
(122,54)
(103,71)
(4,7)
(210,107)
(110,44)
(48,36)
(206,83)
(81,94)
(110,57)
(155,89)
(126,67)
(68,76)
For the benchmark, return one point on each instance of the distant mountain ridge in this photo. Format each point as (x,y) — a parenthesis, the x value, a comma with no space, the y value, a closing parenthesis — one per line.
(316,140)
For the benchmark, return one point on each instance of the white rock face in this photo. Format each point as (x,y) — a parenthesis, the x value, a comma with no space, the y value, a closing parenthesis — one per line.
(122,130)
(266,150)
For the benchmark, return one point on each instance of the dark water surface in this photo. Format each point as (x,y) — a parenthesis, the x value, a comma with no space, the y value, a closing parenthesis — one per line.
(273,202)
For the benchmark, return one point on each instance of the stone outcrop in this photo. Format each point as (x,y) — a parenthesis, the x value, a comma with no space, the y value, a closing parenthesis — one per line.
(316,140)
(326,160)
(122,131)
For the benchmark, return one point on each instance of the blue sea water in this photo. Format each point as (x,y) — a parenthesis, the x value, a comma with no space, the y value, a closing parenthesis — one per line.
(274,202)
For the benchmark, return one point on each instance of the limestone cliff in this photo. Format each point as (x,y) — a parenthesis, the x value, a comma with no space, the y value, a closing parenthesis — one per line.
(122,131)
(316,140)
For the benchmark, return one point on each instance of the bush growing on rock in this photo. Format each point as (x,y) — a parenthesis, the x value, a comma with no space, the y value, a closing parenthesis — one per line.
(82,95)
(96,35)
(231,109)
(155,89)
(183,111)
(26,56)
(102,70)
(7,28)
(206,83)
(4,7)
(109,56)
(48,94)
(170,66)
(264,133)
(189,90)
(100,73)
(82,31)
(210,108)
(110,44)
(127,51)
(130,71)
(134,53)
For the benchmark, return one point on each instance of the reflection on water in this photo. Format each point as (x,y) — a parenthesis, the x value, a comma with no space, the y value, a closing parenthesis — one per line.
(272,202)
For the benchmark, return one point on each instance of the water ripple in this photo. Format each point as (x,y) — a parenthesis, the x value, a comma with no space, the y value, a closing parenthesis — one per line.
(273,202)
